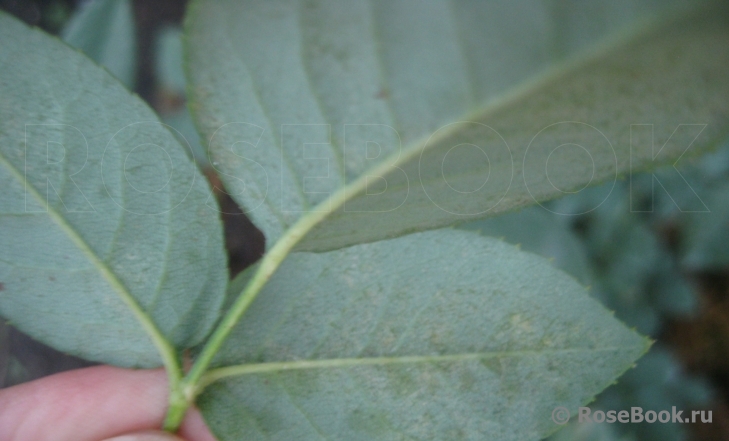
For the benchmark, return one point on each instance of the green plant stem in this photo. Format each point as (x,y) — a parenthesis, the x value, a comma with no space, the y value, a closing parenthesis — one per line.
(189,386)
(268,266)
(182,397)
(178,405)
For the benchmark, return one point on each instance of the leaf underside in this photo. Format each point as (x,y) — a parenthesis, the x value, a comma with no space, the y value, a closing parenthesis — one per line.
(105,235)
(386,340)
(442,111)
(389,341)
(354,122)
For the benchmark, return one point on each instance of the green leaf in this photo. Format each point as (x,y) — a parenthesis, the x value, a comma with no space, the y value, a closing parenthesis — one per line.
(104,30)
(181,121)
(388,341)
(707,233)
(443,111)
(542,232)
(110,241)
(171,76)
(168,59)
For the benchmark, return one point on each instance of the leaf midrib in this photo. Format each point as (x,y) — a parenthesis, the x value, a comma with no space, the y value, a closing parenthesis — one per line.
(166,351)
(643,28)
(217,374)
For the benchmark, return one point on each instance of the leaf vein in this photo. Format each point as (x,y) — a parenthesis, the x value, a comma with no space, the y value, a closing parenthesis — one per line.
(157,338)
(282,366)
(274,133)
(339,155)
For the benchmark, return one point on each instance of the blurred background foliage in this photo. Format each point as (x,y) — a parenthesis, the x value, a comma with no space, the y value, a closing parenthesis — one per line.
(653,247)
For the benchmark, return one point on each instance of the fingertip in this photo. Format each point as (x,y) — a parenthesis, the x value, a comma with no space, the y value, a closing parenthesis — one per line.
(84,405)
(195,428)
